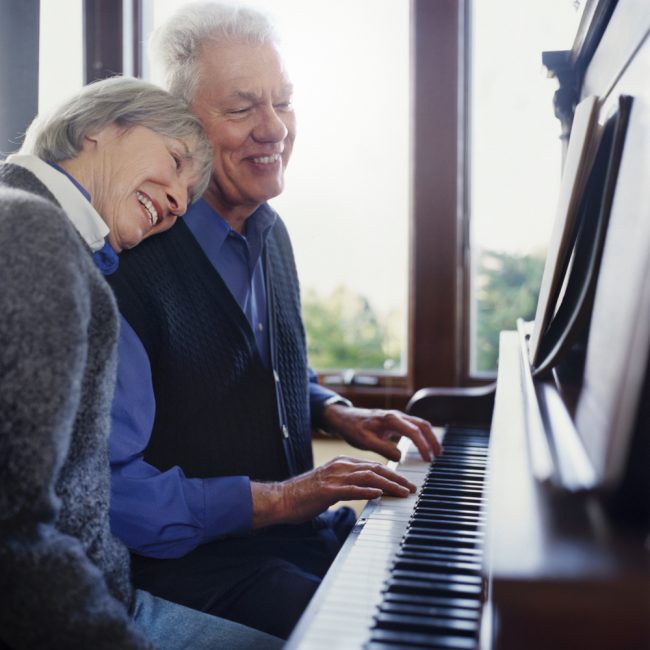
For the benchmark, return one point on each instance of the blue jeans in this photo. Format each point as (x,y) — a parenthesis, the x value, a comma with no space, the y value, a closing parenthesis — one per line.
(174,627)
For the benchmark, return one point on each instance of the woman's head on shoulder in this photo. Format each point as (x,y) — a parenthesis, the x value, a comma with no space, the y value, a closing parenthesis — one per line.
(139,152)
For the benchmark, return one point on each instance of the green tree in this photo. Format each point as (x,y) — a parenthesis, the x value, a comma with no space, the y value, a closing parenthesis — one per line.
(508,286)
(343,331)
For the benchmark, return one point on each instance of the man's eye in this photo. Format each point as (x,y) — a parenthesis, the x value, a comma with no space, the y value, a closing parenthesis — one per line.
(285,106)
(240,111)
(178,161)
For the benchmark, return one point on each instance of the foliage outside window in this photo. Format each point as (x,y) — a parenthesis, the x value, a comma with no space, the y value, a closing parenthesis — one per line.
(508,286)
(344,331)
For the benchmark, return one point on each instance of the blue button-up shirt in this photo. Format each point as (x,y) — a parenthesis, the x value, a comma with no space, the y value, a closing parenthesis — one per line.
(166,514)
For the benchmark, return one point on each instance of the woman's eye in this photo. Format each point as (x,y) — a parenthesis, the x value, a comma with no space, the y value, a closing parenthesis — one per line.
(177,161)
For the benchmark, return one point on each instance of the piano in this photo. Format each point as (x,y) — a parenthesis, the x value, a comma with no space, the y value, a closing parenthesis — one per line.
(532,530)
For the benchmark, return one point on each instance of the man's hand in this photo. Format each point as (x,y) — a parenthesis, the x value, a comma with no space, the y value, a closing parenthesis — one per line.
(300,498)
(379,431)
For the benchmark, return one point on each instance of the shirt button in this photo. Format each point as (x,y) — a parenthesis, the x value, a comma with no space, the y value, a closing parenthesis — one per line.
(276,376)
(260,327)
(285,431)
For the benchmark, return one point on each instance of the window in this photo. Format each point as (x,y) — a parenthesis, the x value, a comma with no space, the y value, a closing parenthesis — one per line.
(515,161)
(60,51)
(447,124)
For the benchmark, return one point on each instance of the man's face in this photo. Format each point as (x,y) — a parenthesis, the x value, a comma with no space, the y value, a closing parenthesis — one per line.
(244,102)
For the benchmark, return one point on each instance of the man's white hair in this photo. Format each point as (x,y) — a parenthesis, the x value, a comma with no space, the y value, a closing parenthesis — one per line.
(176,46)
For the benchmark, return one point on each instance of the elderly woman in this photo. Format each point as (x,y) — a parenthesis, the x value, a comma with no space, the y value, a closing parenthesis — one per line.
(115,164)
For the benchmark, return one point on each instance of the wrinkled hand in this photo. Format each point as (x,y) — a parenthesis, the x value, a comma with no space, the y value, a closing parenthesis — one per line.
(379,431)
(303,497)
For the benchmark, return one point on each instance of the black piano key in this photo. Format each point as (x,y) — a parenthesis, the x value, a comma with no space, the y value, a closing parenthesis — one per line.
(423,527)
(432,556)
(427,600)
(462,462)
(435,576)
(439,565)
(441,540)
(390,639)
(445,481)
(462,489)
(439,611)
(456,506)
(455,453)
(434,588)
(425,510)
(435,523)
(456,473)
(418,550)
(427,624)
(466,501)
(466,461)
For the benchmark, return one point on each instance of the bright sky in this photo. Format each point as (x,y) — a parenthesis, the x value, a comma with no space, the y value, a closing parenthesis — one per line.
(516,153)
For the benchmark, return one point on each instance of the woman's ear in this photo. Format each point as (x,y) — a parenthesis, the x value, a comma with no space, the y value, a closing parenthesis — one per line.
(89,143)
(101,136)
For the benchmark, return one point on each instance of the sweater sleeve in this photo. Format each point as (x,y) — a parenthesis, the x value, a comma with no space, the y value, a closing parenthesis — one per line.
(51,594)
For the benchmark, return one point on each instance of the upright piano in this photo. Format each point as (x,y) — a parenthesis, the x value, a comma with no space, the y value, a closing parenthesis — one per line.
(532,530)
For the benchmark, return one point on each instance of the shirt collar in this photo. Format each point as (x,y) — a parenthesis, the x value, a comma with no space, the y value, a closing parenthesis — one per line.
(260,222)
(74,200)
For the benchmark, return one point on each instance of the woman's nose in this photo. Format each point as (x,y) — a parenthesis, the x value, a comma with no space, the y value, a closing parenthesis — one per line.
(177,199)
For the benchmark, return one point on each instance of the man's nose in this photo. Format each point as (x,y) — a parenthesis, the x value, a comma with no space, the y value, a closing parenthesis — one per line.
(271,127)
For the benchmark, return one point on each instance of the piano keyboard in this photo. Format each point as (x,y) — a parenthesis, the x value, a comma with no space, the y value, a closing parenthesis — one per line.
(409,575)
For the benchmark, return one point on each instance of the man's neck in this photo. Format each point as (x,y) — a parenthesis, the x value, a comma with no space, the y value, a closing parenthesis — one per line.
(234,216)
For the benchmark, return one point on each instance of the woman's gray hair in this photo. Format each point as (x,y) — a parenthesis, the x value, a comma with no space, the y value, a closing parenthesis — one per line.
(175,47)
(124,101)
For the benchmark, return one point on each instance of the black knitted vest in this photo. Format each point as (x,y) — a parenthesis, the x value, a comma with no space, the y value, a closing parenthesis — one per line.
(216,406)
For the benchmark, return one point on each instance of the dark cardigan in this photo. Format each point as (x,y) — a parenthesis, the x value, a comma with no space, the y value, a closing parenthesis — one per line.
(219,411)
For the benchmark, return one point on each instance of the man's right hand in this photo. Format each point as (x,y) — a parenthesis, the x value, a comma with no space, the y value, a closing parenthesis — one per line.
(303,497)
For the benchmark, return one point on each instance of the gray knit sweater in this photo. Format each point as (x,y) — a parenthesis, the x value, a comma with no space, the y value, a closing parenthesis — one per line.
(64,579)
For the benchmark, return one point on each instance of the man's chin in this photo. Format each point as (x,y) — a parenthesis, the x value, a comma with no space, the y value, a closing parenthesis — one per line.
(270,191)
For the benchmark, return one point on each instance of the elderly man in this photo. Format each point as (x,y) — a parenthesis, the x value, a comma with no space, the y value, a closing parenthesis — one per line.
(214,488)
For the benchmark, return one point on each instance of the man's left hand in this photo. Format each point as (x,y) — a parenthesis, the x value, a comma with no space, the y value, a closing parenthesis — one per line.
(379,430)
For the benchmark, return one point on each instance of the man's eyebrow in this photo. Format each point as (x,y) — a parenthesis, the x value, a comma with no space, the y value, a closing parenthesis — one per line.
(246,95)
(253,97)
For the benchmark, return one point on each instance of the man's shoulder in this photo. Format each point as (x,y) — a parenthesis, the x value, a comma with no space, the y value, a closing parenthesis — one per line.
(157,249)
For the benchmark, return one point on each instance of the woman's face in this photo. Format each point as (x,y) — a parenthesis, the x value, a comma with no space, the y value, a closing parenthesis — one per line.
(140,181)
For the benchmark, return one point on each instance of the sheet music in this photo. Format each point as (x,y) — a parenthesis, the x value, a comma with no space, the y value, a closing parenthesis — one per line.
(582,147)
(619,339)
